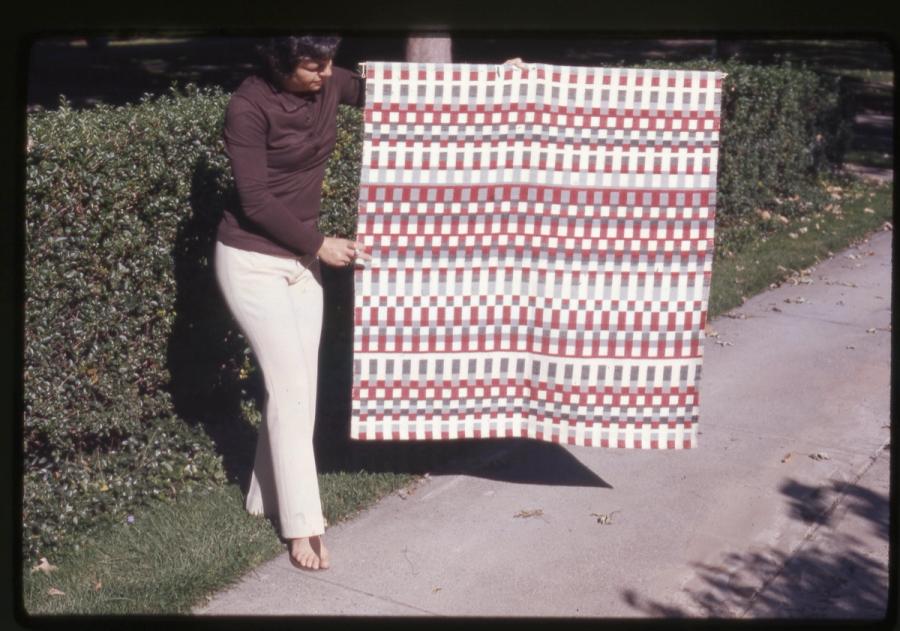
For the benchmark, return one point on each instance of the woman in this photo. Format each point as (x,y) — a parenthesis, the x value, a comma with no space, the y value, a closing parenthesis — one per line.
(280,128)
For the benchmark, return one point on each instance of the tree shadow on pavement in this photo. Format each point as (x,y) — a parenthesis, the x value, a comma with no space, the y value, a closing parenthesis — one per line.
(809,585)
(831,576)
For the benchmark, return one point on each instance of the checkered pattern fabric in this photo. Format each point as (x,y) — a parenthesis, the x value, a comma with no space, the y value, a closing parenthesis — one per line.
(542,246)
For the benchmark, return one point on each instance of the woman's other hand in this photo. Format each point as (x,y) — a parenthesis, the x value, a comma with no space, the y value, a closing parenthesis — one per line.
(517,62)
(342,252)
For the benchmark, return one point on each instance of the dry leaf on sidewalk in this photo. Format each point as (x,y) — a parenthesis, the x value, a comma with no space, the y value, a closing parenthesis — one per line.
(537,512)
(820,456)
(872,330)
(44,566)
(787,457)
(436,590)
(605,518)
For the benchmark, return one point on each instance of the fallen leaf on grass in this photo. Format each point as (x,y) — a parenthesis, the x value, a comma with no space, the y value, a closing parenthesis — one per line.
(869,211)
(537,512)
(787,457)
(55,592)
(887,226)
(605,518)
(97,585)
(711,332)
(793,235)
(820,456)
(44,566)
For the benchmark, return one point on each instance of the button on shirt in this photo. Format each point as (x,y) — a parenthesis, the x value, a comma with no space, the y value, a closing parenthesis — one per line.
(278,144)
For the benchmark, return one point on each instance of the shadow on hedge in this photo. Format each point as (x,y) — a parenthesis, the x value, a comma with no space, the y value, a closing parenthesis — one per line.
(205,352)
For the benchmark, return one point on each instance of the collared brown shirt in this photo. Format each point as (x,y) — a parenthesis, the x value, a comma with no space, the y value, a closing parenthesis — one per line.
(278,143)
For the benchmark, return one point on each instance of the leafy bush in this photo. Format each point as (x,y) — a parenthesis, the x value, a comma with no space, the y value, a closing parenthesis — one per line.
(134,371)
(783,127)
(136,378)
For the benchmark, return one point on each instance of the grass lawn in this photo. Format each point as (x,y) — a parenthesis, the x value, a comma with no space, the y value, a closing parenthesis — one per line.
(175,553)
(791,248)
(870,158)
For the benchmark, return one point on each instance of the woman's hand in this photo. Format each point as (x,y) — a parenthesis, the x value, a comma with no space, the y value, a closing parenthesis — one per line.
(341,252)
(517,62)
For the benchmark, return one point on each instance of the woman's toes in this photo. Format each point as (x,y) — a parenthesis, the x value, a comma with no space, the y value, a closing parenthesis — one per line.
(319,548)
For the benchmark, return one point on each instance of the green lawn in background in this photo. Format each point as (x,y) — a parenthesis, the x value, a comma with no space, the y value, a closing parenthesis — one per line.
(795,246)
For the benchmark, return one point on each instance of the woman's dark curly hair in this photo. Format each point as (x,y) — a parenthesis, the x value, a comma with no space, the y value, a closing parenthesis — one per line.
(279,56)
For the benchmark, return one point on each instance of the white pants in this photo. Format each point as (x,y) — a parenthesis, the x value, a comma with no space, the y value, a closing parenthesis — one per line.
(278,303)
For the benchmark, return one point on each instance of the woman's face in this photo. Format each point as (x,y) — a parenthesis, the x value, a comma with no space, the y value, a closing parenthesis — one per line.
(309,75)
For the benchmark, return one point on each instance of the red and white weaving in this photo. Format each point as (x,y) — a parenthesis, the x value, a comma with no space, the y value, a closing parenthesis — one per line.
(542,245)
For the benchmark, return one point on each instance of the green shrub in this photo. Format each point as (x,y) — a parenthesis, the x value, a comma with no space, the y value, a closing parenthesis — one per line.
(783,127)
(134,371)
(138,384)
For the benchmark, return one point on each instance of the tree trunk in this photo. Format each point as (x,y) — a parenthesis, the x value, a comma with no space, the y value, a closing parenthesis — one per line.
(424,48)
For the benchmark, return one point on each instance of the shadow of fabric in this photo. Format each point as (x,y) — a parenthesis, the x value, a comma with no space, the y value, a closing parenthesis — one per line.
(512,460)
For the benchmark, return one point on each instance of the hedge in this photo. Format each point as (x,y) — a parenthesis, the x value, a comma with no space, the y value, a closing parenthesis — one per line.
(137,383)
(783,127)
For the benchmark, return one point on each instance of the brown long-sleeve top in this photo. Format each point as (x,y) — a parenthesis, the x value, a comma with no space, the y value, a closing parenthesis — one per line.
(278,143)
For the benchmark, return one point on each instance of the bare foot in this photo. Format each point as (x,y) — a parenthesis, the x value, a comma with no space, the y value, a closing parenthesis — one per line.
(302,554)
(319,548)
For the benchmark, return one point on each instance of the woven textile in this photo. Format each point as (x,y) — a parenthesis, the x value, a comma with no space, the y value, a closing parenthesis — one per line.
(542,247)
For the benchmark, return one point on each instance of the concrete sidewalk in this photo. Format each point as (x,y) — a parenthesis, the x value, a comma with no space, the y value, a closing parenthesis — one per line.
(746,525)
